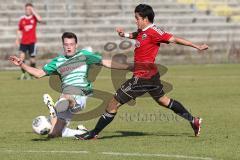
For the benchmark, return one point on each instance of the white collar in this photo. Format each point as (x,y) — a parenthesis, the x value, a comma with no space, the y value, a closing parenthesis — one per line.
(149,26)
(28,17)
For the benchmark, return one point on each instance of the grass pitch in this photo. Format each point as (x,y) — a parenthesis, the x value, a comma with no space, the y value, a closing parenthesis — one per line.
(143,131)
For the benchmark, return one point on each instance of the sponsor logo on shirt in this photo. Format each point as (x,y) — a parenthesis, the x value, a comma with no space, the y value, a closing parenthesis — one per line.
(72,64)
(28,27)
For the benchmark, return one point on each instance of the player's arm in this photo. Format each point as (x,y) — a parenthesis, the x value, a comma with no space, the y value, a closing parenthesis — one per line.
(38,17)
(38,73)
(18,37)
(115,65)
(185,42)
(96,58)
(121,33)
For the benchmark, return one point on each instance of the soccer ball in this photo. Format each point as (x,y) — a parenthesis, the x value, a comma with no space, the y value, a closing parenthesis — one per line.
(41,125)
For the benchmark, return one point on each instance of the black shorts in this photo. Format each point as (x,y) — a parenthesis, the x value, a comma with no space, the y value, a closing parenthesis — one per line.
(136,87)
(29,49)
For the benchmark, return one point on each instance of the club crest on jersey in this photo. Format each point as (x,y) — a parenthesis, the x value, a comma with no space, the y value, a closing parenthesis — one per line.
(144,36)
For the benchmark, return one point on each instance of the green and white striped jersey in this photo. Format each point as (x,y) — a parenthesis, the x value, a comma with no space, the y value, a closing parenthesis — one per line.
(73,71)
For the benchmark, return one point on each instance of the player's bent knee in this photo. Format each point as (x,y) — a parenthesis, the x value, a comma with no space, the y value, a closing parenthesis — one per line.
(113,106)
(62,105)
(164,101)
(22,56)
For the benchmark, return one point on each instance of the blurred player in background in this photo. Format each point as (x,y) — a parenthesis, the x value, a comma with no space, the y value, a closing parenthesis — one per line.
(146,77)
(72,67)
(26,36)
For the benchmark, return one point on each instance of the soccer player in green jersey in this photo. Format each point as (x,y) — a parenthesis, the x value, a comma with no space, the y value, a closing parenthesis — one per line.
(72,67)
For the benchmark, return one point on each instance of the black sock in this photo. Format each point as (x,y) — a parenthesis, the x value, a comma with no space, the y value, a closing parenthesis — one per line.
(179,109)
(23,71)
(33,65)
(103,121)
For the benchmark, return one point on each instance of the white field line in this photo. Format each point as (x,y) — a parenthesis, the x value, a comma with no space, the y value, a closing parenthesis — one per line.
(156,155)
(111,153)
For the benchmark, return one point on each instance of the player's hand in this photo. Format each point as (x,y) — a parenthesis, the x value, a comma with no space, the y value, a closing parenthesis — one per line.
(32,9)
(202,47)
(120,31)
(17,43)
(15,60)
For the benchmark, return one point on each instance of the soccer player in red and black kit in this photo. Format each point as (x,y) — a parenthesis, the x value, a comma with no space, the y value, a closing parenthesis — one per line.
(26,35)
(146,78)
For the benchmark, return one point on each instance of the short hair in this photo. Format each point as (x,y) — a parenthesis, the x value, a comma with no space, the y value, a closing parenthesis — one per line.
(144,11)
(69,35)
(28,5)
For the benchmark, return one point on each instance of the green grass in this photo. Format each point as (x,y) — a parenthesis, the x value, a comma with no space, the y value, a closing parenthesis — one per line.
(210,91)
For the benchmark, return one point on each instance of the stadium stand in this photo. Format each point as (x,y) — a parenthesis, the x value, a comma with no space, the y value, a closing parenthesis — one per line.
(215,22)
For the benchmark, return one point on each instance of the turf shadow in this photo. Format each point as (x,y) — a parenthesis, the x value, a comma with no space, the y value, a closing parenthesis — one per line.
(41,139)
(122,134)
(173,134)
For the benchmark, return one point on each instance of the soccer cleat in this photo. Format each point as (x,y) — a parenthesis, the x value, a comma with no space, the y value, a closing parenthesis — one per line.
(47,99)
(81,127)
(87,136)
(196,125)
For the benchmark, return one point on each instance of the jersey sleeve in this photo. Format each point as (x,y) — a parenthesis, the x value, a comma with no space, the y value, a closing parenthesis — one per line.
(35,21)
(51,67)
(92,58)
(160,36)
(135,34)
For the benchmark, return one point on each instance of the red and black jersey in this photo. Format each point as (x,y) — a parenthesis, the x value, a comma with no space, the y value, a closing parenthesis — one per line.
(146,49)
(27,25)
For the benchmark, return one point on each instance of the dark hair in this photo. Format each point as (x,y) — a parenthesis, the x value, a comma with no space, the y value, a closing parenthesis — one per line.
(28,5)
(144,11)
(69,35)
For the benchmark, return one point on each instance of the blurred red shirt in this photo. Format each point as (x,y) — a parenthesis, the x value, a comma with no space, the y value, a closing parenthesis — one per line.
(27,25)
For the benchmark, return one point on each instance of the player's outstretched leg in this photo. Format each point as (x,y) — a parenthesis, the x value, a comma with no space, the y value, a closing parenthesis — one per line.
(103,121)
(60,120)
(180,110)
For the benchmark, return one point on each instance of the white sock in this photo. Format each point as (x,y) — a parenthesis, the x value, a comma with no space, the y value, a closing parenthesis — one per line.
(67,132)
